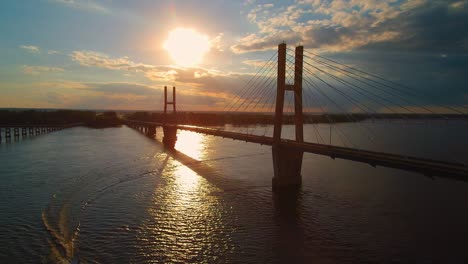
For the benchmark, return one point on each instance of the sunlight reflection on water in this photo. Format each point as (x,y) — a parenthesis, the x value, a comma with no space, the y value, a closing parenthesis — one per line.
(192,144)
(192,214)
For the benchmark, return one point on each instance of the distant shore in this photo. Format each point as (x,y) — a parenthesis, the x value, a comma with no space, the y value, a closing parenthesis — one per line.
(59,117)
(215,119)
(102,119)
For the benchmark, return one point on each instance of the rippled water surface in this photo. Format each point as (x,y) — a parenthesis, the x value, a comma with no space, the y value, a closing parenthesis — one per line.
(116,196)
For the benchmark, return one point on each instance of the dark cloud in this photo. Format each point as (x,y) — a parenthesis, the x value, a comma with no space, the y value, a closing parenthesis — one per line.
(423,26)
(324,35)
(438,26)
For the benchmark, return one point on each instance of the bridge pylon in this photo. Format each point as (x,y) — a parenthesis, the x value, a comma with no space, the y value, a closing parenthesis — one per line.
(173,102)
(287,162)
(170,132)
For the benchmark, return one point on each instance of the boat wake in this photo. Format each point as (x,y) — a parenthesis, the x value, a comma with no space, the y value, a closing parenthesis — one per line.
(61,218)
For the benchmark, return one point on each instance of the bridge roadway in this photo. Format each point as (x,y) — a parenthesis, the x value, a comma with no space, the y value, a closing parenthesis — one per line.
(426,166)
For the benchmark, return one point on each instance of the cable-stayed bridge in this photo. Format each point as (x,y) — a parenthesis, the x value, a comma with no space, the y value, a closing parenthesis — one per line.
(310,83)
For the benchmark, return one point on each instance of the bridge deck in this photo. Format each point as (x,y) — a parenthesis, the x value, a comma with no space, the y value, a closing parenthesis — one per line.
(426,166)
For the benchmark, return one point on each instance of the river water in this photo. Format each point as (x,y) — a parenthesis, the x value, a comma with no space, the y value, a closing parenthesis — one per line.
(115,196)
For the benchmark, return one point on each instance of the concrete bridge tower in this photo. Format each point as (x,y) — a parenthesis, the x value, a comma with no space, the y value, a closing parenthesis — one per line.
(170,132)
(287,162)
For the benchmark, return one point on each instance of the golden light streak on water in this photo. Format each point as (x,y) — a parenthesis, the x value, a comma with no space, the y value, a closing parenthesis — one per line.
(192,144)
(187,218)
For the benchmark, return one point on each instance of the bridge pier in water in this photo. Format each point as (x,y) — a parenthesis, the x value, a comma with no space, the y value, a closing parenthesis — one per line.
(287,165)
(23,131)
(170,132)
(151,131)
(170,136)
(287,162)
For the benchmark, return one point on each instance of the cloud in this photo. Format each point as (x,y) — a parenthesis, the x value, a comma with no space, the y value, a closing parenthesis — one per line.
(256,63)
(348,25)
(269,41)
(35,70)
(100,60)
(201,79)
(30,48)
(61,84)
(122,88)
(216,43)
(87,5)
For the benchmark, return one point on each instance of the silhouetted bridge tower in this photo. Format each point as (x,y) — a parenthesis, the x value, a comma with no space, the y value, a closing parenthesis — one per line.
(170,132)
(287,161)
(288,154)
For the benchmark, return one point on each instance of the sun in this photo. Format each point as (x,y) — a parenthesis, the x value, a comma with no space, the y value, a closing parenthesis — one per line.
(186,46)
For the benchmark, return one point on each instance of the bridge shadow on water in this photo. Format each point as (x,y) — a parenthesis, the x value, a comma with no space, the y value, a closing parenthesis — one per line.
(203,169)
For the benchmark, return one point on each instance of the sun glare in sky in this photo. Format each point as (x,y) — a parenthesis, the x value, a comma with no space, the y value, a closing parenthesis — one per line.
(186,46)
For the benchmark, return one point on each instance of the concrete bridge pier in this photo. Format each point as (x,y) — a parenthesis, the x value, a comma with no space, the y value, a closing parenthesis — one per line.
(7,134)
(151,131)
(170,136)
(287,165)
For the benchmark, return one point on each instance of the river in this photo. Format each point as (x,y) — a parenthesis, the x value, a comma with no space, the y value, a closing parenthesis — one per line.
(115,196)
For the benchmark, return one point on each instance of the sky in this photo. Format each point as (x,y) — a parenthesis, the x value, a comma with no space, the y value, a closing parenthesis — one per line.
(111,54)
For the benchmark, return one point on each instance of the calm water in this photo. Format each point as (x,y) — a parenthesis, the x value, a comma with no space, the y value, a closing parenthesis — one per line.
(115,196)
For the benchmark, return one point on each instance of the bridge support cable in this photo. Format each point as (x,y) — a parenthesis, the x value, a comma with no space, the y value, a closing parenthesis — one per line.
(351,75)
(366,131)
(257,97)
(351,99)
(330,120)
(259,94)
(267,95)
(348,117)
(248,85)
(395,86)
(308,119)
(366,93)
(254,91)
